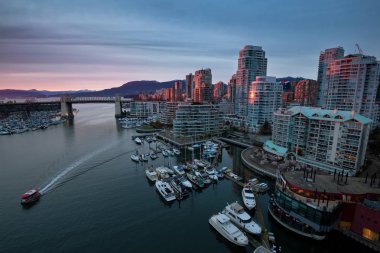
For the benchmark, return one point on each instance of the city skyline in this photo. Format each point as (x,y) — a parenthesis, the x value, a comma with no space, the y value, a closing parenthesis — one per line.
(97,45)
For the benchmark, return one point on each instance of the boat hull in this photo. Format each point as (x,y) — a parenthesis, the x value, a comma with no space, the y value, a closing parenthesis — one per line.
(213,223)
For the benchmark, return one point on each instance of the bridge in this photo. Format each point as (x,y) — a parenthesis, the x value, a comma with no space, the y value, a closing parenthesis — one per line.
(65,104)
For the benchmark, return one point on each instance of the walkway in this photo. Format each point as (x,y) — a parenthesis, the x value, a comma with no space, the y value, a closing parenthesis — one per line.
(248,158)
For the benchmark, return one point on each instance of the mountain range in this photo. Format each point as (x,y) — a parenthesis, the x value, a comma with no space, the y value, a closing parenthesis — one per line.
(128,89)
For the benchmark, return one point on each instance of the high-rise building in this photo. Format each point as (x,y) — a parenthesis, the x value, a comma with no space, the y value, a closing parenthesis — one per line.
(177,91)
(264,98)
(231,88)
(202,86)
(329,140)
(305,91)
(197,121)
(189,85)
(325,58)
(220,89)
(352,85)
(251,63)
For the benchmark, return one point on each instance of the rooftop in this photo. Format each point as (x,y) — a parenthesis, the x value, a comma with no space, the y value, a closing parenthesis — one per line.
(328,115)
(324,182)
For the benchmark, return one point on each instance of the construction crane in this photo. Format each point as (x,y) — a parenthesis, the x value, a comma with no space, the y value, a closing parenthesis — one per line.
(359,49)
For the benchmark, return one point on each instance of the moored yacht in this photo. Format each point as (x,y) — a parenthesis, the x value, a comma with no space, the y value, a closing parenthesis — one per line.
(151,174)
(179,170)
(164,153)
(138,140)
(212,174)
(176,151)
(165,190)
(162,172)
(241,218)
(195,180)
(248,197)
(224,226)
(135,158)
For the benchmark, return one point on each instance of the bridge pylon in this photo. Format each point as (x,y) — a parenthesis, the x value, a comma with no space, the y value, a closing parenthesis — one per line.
(66,107)
(118,108)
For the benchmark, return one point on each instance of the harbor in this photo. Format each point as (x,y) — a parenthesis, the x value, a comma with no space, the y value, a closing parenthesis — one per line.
(91,185)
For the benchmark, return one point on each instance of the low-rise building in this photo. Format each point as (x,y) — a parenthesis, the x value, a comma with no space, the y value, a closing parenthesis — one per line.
(197,120)
(144,109)
(325,139)
(168,112)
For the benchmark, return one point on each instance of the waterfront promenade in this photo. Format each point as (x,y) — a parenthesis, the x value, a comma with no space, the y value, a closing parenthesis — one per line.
(261,162)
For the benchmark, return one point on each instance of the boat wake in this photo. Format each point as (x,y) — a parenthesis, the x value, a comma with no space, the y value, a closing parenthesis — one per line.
(54,183)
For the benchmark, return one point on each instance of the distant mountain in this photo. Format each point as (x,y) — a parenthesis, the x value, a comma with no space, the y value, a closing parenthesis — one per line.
(132,88)
(127,89)
(290,79)
(10,93)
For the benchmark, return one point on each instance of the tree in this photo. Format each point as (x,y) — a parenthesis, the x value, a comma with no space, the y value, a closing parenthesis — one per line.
(265,128)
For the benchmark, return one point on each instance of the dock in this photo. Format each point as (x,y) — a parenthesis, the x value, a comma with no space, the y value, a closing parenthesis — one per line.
(259,217)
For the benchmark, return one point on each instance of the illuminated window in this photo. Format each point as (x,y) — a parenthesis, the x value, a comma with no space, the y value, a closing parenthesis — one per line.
(370,234)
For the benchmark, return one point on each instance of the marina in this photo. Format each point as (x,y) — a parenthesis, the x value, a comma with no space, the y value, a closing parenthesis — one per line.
(94,184)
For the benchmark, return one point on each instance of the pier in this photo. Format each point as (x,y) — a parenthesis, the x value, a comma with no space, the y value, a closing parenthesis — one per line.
(259,218)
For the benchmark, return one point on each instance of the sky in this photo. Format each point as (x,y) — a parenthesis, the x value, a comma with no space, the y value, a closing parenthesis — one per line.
(82,44)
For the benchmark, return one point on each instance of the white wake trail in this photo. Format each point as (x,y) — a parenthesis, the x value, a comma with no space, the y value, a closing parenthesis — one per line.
(74,165)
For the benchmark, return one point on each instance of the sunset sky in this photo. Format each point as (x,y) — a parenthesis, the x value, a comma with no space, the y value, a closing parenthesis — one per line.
(72,45)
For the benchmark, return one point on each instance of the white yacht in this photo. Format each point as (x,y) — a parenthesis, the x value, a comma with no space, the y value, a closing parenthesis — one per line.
(224,226)
(241,218)
(138,140)
(212,174)
(151,174)
(248,197)
(135,158)
(171,153)
(165,190)
(169,171)
(179,170)
(162,173)
(164,153)
(176,151)
(185,182)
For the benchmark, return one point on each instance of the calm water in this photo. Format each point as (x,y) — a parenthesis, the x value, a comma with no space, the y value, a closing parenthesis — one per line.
(97,200)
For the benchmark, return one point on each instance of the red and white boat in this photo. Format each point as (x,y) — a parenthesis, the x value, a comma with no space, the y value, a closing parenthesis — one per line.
(30,196)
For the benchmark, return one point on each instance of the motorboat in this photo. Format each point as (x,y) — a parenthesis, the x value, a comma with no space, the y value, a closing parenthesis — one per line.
(191,165)
(198,181)
(165,153)
(165,190)
(179,170)
(261,187)
(180,190)
(169,171)
(223,170)
(241,218)
(162,173)
(143,158)
(228,230)
(135,158)
(153,156)
(30,197)
(190,148)
(196,146)
(186,183)
(176,151)
(203,176)
(171,153)
(151,174)
(234,176)
(200,163)
(154,138)
(138,141)
(212,174)
(248,197)
(219,173)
